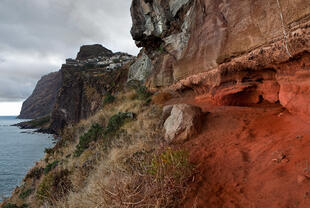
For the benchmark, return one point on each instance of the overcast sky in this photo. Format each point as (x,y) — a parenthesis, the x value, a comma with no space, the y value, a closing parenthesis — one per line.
(36,36)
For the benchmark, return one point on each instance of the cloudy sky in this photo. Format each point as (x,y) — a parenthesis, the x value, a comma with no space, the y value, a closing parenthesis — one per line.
(36,36)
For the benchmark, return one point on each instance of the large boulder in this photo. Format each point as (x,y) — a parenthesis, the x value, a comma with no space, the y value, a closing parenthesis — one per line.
(184,122)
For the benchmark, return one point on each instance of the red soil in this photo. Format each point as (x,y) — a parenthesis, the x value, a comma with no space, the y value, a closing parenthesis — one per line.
(250,157)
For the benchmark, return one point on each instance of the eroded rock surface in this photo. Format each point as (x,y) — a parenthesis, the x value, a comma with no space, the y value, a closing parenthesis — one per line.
(183,123)
(228,55)
(141,69)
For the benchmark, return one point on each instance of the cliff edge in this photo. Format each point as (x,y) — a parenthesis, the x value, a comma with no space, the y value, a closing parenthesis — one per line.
(43,98)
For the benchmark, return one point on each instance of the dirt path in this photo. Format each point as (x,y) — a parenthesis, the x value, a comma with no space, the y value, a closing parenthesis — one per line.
(251,157)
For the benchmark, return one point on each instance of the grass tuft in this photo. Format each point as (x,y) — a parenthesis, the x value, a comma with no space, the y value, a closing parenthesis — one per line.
(109,98)
(9,205)
(54,186)
(117,121)
(35,173)
(25,194)
(49,167)
(143,93)
(92,135)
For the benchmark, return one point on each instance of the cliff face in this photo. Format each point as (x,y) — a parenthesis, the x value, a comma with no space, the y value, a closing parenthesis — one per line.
(86,80)
(43,98)
(218,56)
(228,52)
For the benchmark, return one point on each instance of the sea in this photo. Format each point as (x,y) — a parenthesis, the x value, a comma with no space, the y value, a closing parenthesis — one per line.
(19,150)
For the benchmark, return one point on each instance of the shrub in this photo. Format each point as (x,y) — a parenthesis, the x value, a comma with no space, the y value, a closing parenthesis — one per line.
(25,194)
(109,98)
(54,186)
(116,61)
(92,135)
(49,151)
(35,173)
(10,206)
(14,206)
(117,121)
(61,184)
(44,189)
(143,93)
(50,167)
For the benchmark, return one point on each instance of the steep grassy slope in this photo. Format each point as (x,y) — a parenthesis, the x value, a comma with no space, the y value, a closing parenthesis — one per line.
(116,158)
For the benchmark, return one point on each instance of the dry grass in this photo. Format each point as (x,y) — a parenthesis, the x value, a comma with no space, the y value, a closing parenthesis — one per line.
(122,175)
(127,182)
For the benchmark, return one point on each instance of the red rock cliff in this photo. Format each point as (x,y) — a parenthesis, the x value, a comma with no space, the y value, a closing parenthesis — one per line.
(228,52)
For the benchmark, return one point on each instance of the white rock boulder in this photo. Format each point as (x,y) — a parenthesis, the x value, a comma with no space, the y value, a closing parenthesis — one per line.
(184,122)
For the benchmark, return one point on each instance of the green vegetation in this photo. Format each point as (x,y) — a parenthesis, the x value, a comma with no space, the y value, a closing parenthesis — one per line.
(143,93)
(92,135)
(25,194)
(117,121)
(116,61)
(120,144)
(109,98)
(14,206)
(54,186)
(36,123)
(50,167)
(39,122)
(45,187)
(162,48)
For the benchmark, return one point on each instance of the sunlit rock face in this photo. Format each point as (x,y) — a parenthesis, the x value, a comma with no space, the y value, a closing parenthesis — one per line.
(228,52)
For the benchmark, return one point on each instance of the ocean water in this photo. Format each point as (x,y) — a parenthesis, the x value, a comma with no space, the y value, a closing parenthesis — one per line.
(19,150)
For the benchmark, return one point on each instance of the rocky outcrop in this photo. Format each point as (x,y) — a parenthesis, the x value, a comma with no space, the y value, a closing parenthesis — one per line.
(93,51)
(41,124)
(141,69)
(85,84)
(43,98)
(227,55)
(184,121)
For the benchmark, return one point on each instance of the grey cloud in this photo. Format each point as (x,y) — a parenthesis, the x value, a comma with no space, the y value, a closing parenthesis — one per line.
(40,34)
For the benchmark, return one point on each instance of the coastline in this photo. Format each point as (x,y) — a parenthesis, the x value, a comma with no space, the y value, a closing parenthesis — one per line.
(20,150)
